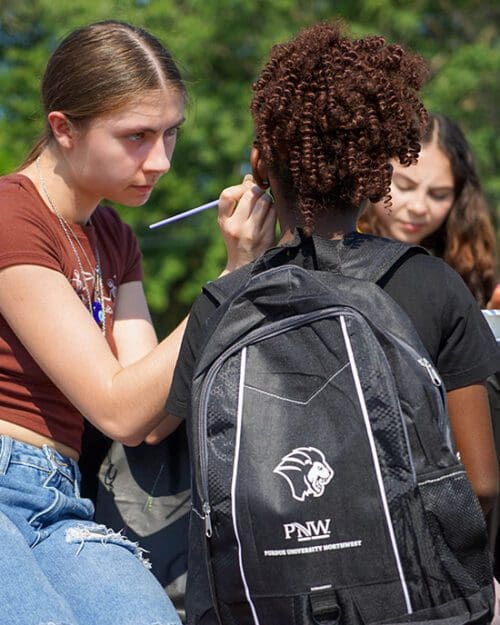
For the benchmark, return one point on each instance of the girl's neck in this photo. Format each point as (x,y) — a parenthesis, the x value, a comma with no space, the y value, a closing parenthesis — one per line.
(327,226)
(330,224)
(57,188)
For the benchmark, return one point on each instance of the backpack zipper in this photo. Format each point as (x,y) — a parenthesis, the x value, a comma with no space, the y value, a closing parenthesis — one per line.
(435,379)
(433,374)
(207,518)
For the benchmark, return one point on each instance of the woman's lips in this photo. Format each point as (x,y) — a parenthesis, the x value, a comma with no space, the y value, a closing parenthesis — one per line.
(143,188)
(411,227)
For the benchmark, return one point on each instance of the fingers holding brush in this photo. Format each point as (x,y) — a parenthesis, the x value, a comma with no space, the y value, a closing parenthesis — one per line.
(247,219)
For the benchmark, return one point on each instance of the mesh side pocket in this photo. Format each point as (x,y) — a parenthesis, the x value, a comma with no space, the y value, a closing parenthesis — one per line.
(221,417)
(222,409)
(457,525)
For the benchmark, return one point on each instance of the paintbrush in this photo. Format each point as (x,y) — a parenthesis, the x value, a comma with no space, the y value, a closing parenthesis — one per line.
(188,213)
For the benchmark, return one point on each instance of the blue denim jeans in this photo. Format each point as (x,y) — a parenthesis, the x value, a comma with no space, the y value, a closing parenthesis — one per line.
(58,567)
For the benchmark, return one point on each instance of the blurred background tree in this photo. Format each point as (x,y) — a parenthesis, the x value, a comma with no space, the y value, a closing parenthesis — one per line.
(220,46)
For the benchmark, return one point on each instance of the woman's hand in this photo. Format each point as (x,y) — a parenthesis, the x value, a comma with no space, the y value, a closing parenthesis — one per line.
(247,219)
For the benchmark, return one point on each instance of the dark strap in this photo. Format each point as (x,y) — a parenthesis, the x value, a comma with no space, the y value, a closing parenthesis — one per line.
(324,608)
(357,255)
(219,290)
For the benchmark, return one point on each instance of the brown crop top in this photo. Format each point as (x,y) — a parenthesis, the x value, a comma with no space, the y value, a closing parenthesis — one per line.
(31,234)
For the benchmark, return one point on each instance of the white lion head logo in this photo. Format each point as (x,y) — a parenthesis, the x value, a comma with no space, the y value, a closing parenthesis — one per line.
(306,471)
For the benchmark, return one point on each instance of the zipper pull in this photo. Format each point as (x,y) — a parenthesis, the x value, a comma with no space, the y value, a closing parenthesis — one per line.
(208,522)
(433,374)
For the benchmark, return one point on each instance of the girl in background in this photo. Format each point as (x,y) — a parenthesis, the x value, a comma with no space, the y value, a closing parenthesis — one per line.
(438,203)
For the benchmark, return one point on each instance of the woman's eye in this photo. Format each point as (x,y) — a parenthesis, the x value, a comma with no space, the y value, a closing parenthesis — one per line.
(136,136)
(442,197)
(402,185)
(172,132)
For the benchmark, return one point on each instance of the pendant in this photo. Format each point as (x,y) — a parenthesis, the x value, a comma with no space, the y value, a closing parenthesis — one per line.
(97,312)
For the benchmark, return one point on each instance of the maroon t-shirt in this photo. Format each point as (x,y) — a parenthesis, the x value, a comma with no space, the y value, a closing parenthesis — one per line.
(31,234)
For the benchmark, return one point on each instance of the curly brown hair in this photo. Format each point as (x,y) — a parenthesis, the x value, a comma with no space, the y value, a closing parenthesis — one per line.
(466,239)
(330,112)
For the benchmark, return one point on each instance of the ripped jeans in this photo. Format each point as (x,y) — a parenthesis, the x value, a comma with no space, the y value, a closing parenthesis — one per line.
(58,567)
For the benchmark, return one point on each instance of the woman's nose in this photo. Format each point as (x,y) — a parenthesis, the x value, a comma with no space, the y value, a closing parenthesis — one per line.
(158,159)
(417,204)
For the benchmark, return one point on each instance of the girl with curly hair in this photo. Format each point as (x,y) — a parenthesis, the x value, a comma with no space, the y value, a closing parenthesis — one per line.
(330,115)
(438,203)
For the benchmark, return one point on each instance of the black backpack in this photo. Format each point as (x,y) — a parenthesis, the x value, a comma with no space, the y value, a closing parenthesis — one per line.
(326,487)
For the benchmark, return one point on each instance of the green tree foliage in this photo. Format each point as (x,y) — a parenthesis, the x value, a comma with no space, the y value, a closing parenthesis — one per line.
(220,46)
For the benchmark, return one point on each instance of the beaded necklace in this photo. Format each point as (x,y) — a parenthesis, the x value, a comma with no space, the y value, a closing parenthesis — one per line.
(95,302)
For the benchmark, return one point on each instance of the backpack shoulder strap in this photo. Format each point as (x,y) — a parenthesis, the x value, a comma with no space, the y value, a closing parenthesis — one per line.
(361,256)
(219,290)
(374,258)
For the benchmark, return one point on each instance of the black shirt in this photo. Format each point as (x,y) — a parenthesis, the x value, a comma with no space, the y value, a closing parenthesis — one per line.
(441,307)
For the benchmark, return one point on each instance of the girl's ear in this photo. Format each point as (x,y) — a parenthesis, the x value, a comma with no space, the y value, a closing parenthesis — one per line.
(62,129)
(259,168)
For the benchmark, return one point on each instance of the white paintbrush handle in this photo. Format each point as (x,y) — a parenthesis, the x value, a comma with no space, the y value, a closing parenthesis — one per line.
(188,213)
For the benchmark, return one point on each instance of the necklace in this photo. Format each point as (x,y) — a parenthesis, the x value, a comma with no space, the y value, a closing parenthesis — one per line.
(95,304)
